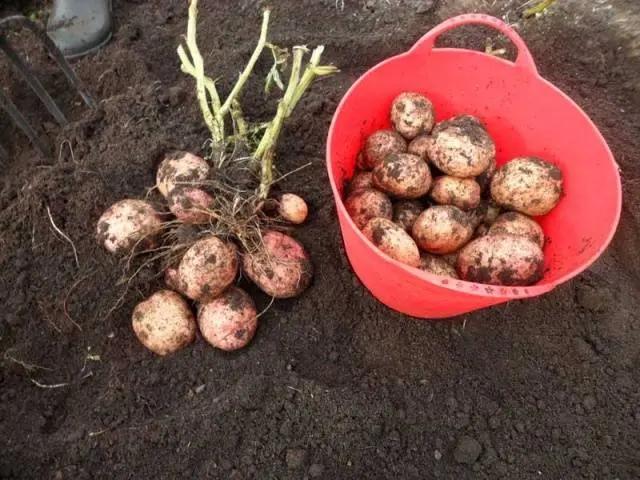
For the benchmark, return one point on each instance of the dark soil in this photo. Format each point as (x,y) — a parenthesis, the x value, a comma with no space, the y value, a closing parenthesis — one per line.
(334,385)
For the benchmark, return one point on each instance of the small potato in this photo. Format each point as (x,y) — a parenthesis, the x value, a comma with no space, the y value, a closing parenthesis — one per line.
(464,193)
(442,229)
(164,322)
(403,175)
(363,205)
(293,208)
(505,259)
(228,322)
(461,147)
(405,213)
(281,267)
(207,268)
(518,224)
(180,168)
(360,181)
(527,185)
(418,146)
(128,223)
(437,266)
(191,205)
(412,114)
(380,144)
(392,240)
(484,179)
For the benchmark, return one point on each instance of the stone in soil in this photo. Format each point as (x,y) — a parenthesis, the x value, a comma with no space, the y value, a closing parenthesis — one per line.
(295,458)
(467,451)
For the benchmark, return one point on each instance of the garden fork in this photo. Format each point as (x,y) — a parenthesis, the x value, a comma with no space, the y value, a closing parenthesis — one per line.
(5,101)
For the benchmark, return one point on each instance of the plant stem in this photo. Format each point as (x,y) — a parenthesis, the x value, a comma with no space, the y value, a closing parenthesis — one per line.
(312,71)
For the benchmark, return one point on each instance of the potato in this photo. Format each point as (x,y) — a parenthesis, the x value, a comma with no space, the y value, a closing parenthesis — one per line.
(464,193)
(461,147)
(527,185)
(442,229)
(412,114)
(293,208)
(418,146)
(191,205)
(380,144)
(393,240)
(164,322)
(403,175)
(228,322)
(207,268)
(360,181)
(518,224)
(405,213)
(504,259)
(484,179)
(128,223)
(281,267)
(437,266)
(180,168)
(363,205)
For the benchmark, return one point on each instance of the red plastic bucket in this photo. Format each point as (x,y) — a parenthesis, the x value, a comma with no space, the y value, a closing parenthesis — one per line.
(526,115)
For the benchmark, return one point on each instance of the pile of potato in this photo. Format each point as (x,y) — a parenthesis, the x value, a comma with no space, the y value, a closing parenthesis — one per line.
(431,196)
(205,275)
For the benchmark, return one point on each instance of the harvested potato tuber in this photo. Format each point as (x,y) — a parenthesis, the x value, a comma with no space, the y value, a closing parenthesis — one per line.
(293,208)
(180,168)
(518,224)
(464,193)
(412,114)
(228,322)
(437,266)
(128,223)
(418,146)
(405,213)
(207,268)
(393,240)
(380,144)
(191,205)
(360,181)
(280,267)
(402,175)
(527,185)
(504,259)
(461,147)
(363,205)
(164,322)
(442,229)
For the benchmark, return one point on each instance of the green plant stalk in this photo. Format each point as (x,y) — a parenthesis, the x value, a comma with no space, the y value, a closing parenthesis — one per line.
(312,71)
(539,8)
(240,124)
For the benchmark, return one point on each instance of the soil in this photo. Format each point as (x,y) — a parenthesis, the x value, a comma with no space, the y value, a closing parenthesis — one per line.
(334,385)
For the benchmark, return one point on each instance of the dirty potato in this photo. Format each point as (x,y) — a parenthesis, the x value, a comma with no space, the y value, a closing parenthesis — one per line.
(464,193)
(437,266)
(518,224)
(393,240)
(527,185)
(363,205)
(360,181)
(442,229)
(412,114)
(503,259)
(191,205)
(180,168)
(418,146)
(293,208)
(405,213)
(403,176)
(461,147)
(380,144)
(128,223)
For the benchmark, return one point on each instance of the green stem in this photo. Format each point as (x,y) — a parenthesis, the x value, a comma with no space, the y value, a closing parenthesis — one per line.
(312,71)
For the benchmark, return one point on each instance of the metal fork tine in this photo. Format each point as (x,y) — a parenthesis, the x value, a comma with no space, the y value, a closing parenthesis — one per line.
(18,118)
(55,52)
(33,82)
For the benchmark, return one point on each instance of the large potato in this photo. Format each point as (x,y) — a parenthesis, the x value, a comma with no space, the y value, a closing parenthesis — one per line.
(505,259)
(360,181)
(191,205)
(128,223)
(442,229)
(437,266)
(403,175)
(405,213)
(464,193)
(393,240)
(363,205)
(228,322)
(280,267)
(180,168)
(527,185)
(412,114)
(518,224)
(207,268)
(380,144)
(461,147)
(164,322)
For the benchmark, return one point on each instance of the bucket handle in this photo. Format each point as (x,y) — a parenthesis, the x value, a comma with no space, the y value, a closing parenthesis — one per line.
(524,58)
